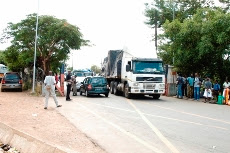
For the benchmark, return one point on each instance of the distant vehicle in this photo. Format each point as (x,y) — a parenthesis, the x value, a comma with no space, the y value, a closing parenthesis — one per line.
(11,80)
(3,70)
(129,75)
(94,85)
(80,76)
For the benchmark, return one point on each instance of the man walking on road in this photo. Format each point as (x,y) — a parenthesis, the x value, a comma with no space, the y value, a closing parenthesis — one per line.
(69,84)
(50,89)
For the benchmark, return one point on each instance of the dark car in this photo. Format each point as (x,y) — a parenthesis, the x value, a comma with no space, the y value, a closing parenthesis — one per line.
(11,80)
(94,85)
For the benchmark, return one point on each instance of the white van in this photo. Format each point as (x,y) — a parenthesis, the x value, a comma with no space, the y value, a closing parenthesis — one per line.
(3,70)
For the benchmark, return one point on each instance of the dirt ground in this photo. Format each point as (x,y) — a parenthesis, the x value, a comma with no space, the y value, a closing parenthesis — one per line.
(25,112)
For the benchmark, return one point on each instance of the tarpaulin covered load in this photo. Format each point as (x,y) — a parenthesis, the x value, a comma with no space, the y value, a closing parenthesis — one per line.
(112,64)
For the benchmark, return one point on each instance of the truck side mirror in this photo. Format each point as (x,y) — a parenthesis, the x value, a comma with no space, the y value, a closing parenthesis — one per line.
(128,68)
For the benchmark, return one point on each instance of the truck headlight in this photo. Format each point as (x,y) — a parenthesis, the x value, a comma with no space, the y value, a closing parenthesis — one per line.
(162,85)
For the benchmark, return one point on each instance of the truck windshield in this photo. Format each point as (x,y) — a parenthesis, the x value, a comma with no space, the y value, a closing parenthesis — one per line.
(88,73)
(79,74)
(148,67)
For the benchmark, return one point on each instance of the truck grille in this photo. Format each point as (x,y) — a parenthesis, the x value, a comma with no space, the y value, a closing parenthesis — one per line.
(155,79)
(149,86)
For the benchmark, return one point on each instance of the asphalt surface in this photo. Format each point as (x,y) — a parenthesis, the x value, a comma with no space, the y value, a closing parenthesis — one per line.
(144,125)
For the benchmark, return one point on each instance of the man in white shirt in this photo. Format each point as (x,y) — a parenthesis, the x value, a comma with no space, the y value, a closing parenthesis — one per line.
(225,86)
(50,89)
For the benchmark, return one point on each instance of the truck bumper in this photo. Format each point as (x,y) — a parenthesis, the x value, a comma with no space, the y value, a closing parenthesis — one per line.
(147,91)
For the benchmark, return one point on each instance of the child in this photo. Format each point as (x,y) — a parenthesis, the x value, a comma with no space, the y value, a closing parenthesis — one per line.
(220,99)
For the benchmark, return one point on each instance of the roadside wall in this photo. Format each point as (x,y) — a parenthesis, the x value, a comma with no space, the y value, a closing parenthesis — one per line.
(25,143)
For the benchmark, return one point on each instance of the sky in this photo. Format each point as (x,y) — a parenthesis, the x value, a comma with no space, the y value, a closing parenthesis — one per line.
(108,24)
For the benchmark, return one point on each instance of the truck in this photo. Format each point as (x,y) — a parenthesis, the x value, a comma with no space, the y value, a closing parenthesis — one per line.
(3,70)
(129,75)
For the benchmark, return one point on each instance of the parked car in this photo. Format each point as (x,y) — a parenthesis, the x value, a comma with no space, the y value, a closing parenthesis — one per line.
(11,80)
(94,85)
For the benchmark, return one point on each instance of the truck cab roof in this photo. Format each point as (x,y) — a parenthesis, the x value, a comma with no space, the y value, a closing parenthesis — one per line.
(147,59)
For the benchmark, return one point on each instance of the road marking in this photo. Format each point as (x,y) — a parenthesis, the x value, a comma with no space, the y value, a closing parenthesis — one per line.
(163,117)
(214,119)
(154,129)
(122,130)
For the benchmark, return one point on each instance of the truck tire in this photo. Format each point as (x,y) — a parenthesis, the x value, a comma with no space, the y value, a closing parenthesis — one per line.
(116,92)
(127,94)
(156,96)
(112,87)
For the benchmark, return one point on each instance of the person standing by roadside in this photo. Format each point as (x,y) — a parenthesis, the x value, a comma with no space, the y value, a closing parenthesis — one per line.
(69,84)
(49,89)
(190,81)
(74,86)
(226,85)
(179,86)
(184,86)
(216,90)
(197,84)
(56,79)
(207,91)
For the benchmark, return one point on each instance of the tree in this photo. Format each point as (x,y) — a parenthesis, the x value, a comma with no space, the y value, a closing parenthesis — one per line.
(95,69)
(56,38)
(199,44)
(163,10)
(2,58)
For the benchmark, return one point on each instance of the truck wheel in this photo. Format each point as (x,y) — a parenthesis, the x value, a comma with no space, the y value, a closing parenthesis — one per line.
(156,96)
(116,92)
(112,87)
(127,94)
(80,92)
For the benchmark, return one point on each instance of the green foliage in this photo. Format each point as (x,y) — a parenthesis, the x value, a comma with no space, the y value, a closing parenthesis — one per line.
(173,9)
(2,58)
(95,69)
(55,40)
(200,44)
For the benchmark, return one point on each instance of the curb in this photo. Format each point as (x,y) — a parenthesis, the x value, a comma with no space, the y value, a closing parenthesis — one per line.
(24,142)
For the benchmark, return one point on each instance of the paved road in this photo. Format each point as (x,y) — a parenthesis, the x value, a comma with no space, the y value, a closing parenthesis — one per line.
(144,125)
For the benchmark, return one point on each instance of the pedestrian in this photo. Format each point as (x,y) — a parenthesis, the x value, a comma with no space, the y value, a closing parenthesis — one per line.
(74,86)
(197,84)
(190,81)
(69,83)
(226,85)
(220,99)
(179,86)
(207,90)
(56,79)
(216,90)
(184,86)
(49,89)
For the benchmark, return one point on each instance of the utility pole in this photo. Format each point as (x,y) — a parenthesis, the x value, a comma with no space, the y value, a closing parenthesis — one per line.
(173,20)
(35,50)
